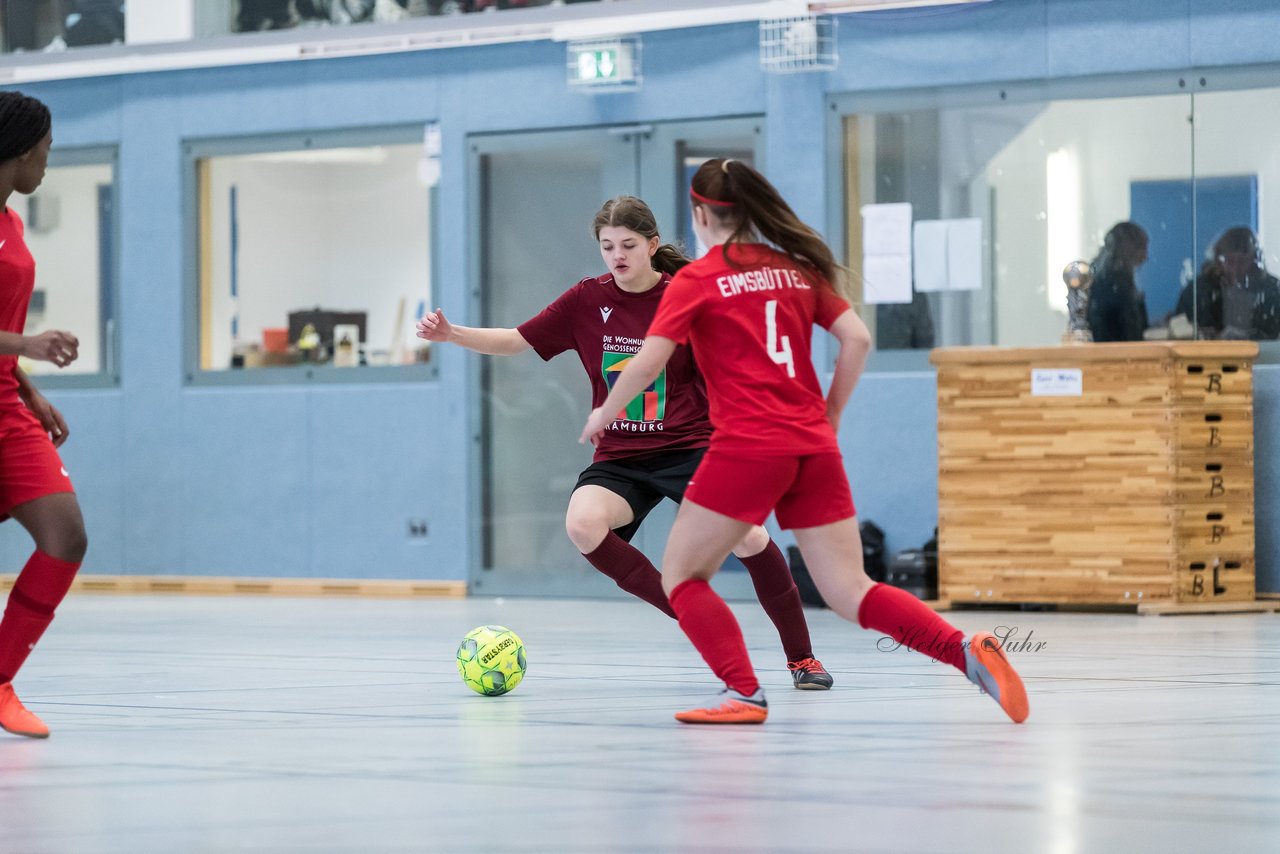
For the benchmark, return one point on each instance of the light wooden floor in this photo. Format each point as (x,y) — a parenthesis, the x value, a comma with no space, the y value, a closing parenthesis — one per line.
(187,724)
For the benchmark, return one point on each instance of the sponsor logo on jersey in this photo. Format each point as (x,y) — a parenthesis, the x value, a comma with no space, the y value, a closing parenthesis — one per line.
(605,311)
(650,404)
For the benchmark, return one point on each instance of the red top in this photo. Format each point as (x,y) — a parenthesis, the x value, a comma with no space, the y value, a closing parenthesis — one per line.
(17,280)
(750,325)
(606,325)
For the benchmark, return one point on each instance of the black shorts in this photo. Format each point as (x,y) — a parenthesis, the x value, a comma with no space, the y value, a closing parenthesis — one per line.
(643,481)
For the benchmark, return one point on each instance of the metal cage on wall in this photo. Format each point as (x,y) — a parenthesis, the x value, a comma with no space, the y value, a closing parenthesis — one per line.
(798,43)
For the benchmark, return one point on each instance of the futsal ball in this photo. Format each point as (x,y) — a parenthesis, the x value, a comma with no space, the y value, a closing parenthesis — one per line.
(491,660)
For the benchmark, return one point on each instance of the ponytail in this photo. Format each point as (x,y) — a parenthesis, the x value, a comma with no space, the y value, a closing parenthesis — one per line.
(744,200)
(668,259)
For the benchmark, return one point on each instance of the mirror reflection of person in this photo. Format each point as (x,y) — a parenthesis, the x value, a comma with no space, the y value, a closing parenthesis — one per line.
(1234,297)
(1117,307)
(255,15)
(95,22)
(905,326)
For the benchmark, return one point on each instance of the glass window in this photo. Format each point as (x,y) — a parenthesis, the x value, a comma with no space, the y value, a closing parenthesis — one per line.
(1237,224)
(247,16)
(313,254)
(70,229)
(54,25)
(1004,195)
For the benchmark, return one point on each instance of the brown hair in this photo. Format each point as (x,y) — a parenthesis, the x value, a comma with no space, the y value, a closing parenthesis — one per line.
(634,215)
(742,199)
(1241,240)
(1120,248)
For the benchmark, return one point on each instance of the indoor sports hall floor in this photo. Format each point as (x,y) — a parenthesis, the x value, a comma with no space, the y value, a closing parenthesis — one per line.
(185,724)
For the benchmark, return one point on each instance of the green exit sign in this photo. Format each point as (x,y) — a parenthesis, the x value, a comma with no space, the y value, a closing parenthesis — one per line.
(598,64)
(604,64)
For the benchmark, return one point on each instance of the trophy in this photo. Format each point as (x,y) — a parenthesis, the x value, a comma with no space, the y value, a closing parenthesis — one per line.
(1078,276)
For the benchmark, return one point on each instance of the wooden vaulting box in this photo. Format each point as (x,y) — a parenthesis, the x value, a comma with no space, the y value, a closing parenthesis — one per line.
(1097,474)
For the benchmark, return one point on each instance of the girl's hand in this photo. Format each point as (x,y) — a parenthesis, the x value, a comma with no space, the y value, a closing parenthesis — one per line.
(594,429)
(55,346)
(434,326)
(47,414)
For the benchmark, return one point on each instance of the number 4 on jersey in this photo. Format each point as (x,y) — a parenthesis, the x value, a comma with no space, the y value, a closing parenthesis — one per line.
(781,355)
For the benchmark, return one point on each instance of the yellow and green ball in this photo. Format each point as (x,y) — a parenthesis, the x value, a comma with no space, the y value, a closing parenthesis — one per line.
(491,660)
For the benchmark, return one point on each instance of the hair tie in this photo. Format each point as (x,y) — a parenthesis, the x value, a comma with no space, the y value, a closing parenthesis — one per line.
(708,201)
(724,165)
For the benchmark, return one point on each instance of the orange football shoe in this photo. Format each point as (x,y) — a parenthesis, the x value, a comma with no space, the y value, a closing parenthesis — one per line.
(986,666)
(15,718)
(729,707)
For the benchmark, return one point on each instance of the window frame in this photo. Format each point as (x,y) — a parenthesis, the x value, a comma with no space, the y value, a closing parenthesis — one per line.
(108,375)
(1188,81)
(196,149)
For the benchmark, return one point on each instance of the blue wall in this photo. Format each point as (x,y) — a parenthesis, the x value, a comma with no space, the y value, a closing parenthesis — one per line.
(320,481)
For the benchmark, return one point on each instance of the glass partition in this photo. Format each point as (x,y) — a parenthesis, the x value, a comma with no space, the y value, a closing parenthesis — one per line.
(1005,192)
(71,232)
(315,254)
(535,195)
(55,25)
(1237,223)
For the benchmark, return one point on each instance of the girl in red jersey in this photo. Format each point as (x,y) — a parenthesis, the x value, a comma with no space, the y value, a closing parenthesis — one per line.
(656,438)
(34,486)
(748,308)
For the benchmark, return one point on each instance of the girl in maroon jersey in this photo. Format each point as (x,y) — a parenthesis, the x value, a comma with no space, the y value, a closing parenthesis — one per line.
(656,439)
(34,487)
(748,308)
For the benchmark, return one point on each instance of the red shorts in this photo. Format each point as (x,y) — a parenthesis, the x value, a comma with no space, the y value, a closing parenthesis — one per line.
(30,467)
(805,491)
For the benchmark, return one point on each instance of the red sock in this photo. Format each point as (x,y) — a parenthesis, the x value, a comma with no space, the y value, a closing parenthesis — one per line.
(40,587)
(912,623)
(630,570)
(776,590)
(709,623)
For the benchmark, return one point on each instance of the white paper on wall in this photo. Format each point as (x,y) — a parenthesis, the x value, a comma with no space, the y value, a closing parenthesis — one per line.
(964,254)
(930,246)
(886,279)
(886,253)
(886,229)
(948,255)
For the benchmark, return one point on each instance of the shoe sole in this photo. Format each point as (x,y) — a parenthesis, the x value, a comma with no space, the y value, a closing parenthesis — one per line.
(708,716)
(720,719)
(812,686)
(1013,694)
(44,734)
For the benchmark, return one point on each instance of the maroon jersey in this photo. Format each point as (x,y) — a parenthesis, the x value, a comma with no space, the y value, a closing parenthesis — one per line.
(17,280)
(750,324)
(605,326)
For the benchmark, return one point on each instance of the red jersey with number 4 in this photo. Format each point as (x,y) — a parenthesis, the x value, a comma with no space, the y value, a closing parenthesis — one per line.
(605,326)
(17,280)
(750,324)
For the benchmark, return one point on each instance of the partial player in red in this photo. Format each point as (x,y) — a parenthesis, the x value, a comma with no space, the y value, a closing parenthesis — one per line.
(655,439)
(748,308)
(34,486)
